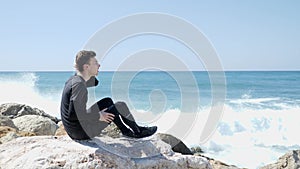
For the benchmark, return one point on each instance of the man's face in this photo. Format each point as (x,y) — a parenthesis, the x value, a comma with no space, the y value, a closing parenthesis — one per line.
(93,67)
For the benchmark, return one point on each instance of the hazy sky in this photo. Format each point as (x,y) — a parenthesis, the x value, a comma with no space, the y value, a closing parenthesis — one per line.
(247,35)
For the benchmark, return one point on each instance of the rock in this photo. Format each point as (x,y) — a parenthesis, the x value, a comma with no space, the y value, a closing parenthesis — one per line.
(100,152)
(61,130)
(14,110)
(114,132)
(9,133)
(6,121)
(289,160)
(37,124)
(217,164)
(6,129)
(60,162)
(176,144)
(25,134)
(10,109)
(8,137)
(196,149)
(220,165)
(111,131)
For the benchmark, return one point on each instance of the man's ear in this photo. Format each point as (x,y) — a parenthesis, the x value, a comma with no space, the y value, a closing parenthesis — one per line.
(85,66)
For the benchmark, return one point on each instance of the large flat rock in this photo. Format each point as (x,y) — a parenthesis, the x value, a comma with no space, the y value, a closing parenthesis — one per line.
(100,152)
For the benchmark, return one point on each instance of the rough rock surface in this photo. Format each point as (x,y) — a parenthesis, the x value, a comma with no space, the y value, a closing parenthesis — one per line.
(7,134)
(220,165)
(176,144)
(14,110)
(100,152)
(37,124)
(290,160)
(61,130)
(112,131)
(6,121)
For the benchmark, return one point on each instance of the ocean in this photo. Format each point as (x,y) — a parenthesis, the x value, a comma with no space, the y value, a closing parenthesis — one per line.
(259,120)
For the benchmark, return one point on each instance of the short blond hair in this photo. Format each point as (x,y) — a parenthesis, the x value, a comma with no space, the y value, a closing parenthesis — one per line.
(83,57)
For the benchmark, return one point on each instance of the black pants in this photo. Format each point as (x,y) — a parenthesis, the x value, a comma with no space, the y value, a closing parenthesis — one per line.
(119,109)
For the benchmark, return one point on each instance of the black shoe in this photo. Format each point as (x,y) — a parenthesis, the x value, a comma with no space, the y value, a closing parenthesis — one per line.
(146,132)
(129,134)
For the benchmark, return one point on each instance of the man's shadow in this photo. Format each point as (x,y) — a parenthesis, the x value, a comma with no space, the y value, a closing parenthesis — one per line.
(127,148)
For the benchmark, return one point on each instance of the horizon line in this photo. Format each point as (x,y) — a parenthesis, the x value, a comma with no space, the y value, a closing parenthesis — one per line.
(229,70)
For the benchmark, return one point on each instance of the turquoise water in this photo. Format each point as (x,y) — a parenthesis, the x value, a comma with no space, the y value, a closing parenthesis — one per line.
(256,89)
(259,115)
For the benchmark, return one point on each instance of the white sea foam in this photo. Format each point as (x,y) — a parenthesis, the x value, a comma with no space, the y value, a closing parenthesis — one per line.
(246,136)
(254,100)
(21,89)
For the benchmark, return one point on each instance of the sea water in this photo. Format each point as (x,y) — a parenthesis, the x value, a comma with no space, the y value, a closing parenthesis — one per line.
(260,118)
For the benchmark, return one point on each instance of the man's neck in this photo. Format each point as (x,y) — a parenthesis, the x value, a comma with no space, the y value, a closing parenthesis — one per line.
(84,75)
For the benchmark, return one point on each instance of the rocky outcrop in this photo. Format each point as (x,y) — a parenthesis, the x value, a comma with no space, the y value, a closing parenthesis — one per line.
(18,120)
(110,150)
(39,125)
(288,161)
(176,144)
(6,121)
(7,134)
(61,130)
(14,110)
(100,152)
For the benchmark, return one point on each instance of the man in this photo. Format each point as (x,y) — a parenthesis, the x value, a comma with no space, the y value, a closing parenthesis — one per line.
(81,123)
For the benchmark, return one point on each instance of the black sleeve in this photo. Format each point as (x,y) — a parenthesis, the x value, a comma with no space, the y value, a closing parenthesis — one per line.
(79,100)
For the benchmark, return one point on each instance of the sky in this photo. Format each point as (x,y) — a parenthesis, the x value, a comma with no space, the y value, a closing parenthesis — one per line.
(246,35)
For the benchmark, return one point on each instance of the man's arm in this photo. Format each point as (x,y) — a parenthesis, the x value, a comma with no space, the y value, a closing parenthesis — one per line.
(79,101)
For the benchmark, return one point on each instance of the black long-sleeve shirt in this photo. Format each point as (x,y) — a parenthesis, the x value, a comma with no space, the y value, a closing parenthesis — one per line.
(74,114)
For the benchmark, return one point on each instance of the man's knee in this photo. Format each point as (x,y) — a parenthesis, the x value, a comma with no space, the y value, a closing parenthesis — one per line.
(120,104)
(107,100)
(123,109)
(105,103)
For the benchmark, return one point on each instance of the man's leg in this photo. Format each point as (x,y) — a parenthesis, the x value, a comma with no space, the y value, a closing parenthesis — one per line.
(126,116)
(121,111)
(108,103)
(128,119)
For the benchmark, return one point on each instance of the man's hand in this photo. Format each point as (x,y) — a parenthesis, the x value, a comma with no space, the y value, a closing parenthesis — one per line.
(106,116)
